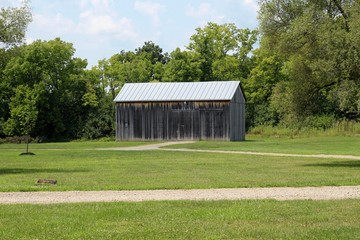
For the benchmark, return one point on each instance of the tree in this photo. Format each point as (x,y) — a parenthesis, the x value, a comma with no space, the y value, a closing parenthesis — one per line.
(226,68)
(153,52)
(23,113)
(144,65)
(99,118)
(316,40)
(58,77)
(6,91)
(216,42)
(13,24)
(183,66)
(110,74)
(138,70)
(259,87)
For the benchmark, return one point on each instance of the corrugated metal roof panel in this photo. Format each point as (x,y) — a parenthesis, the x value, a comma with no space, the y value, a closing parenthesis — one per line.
(184,91)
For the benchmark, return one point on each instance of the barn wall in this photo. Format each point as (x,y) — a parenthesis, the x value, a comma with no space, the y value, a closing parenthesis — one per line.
(173,121)
(237,116)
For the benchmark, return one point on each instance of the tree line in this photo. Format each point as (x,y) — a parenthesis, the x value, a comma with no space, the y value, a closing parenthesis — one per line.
(304,71)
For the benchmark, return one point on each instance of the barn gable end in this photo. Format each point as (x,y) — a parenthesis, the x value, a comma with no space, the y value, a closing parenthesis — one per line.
(181,111)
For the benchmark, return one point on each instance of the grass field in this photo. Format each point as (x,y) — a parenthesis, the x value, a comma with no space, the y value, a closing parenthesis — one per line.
(264,219)
(341,145)
(77,166)
(71,145)
(82,169)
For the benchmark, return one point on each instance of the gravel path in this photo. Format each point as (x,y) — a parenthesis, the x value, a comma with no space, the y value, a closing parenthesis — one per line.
(159,145)
(266,153)
(279,193)
(156,146)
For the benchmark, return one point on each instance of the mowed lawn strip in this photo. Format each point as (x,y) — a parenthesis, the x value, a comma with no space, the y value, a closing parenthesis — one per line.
(341,145)
(119,170)
(72,145)
(260,219)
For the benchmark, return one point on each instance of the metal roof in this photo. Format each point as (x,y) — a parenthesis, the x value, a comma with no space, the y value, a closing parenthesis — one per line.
(177,91)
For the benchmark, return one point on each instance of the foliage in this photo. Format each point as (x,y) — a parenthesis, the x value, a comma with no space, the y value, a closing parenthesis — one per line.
(100,121)
(153,53)
(321,56)
(226,68)
(316,128)
(47,71)
(260,87)
(13,24)
(216,43)
(23,112)
(143,65)
(184,66)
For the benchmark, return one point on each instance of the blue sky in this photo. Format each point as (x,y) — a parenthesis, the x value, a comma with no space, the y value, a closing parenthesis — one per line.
(100,28)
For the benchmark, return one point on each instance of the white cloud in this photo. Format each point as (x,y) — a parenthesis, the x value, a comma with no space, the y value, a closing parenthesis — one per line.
(249,3)
(252,3)
(55,24)
(202,11)
(95,4)
(99,19)
(90,23)
(97,24)
(205,13)
(98,3)
(151,9)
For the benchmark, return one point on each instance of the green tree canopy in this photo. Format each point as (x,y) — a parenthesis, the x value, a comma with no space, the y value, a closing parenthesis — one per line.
(184,66)
(13,24)
(316,40)
(215,42)
(23,112)
(48,70)
(153,52)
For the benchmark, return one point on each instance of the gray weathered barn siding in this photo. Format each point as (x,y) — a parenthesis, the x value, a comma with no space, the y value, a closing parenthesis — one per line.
(237,116)
(186,119)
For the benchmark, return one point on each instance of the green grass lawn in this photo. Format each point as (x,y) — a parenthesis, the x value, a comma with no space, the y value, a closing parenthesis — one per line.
(344,145)
(76,167)
(72,145)
(117,170)
(265,219)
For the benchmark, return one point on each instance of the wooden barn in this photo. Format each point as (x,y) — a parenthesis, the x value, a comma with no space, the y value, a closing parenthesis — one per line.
(181,111)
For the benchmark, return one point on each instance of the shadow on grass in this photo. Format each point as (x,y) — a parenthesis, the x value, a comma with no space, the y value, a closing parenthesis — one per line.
(252,140)
(4,171)
(350,164)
